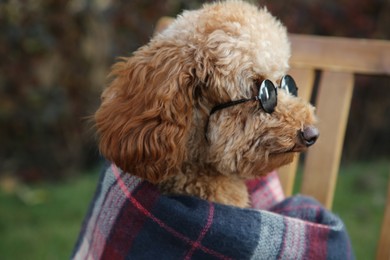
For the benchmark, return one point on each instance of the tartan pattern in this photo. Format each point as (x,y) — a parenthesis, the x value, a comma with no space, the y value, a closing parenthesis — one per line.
(130,219)
(265,191)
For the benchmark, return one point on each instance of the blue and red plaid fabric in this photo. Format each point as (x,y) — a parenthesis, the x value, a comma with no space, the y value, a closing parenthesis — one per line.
(130,219)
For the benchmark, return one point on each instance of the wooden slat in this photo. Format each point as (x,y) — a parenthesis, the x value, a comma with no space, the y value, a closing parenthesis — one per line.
(305,80)
(340,54)
(383,251)
(323,159)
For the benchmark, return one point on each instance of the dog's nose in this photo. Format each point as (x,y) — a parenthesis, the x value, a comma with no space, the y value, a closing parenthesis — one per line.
(309,135)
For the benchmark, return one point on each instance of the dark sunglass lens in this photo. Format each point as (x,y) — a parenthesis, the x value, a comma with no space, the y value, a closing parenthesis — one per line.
(288,84)
(267,96)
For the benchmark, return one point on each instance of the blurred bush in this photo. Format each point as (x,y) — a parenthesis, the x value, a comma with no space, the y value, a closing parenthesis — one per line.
(55,55)
(47,87)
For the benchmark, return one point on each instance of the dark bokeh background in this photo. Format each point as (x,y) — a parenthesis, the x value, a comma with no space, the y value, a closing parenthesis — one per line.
(55,55)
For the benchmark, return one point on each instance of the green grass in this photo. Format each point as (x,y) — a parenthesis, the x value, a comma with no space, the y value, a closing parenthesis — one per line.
(43,221)
(359,200)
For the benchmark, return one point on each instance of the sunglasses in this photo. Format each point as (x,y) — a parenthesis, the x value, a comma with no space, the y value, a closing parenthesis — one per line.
(267,96)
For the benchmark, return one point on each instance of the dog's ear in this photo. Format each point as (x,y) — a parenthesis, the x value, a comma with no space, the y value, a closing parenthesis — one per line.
(144,118)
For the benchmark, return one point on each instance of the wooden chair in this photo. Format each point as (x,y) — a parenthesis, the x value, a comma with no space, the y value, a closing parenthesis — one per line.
(337,59)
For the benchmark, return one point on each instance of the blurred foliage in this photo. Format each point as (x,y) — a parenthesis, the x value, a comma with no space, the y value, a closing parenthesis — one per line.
(347,18)
(55,55)
(46,87)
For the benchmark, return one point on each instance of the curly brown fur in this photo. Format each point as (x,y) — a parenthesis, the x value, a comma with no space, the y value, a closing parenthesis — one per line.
(154,118)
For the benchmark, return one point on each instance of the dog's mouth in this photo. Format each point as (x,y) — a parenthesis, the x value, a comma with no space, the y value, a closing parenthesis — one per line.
(297,149)
(294,149)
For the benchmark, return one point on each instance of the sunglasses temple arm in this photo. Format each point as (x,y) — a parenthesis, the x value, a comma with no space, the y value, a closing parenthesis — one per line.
(232,103)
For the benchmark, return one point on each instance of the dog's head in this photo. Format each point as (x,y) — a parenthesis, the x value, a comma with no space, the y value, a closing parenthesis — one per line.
(155,115)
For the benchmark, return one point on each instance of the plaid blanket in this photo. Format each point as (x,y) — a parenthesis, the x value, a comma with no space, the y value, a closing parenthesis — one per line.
(130,219)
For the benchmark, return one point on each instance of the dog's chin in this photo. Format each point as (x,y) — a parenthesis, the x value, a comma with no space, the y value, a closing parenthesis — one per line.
(280,159)
(275,161)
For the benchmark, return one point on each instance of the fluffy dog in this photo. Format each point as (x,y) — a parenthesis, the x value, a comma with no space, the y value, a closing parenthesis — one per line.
(168,116)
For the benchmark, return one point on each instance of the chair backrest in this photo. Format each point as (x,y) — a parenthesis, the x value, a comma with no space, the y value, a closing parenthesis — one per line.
(338,60)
